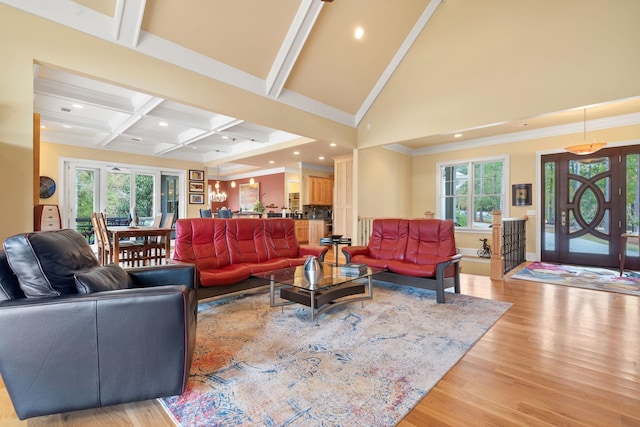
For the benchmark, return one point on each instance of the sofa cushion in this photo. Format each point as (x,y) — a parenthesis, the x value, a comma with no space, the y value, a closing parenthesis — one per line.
(430,241)
(245,237)
(226,275)
(202,241)
(388,239)
(280,238)
(9,286)
(107,278)
(45,262)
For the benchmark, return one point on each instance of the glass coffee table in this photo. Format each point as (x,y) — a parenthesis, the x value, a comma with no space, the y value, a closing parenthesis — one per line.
(331,290)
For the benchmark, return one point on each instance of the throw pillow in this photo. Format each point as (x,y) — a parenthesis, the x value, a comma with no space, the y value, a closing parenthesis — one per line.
(107,278)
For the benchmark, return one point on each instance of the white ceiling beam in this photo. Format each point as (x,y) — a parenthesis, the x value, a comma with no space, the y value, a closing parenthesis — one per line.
(293,43)
(397,58)
(128,21)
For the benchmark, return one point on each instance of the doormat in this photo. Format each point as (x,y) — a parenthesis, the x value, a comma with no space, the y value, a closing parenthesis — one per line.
(256,365)
(600,279)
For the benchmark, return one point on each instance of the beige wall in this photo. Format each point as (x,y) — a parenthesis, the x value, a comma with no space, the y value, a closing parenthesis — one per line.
(508,60)
(30,39)
(384,186)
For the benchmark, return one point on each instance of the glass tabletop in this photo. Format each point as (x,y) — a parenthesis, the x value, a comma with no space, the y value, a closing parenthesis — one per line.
(331,276)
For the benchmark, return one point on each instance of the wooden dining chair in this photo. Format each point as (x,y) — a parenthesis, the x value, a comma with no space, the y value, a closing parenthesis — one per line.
(97,237)
(129,253)
(155,247)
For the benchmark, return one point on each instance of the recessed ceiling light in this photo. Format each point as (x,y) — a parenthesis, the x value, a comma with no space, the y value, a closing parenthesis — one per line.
(42,127)
(321,158)
(295,153)
(333,144)
(78,106)
(457,135)
(359,33)
(66,126)
(271,162)
(163,124)
(224,137)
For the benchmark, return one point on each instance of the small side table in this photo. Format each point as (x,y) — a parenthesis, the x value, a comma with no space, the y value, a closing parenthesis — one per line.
(336,243)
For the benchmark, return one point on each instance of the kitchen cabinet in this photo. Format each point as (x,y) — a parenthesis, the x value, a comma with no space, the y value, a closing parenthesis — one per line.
(319,191)
(302,231)
(317,230)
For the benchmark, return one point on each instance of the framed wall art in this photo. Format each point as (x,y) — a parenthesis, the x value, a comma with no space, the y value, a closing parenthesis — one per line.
(249,195)
(196,187)
(196,175)
(521,194)
(196,198)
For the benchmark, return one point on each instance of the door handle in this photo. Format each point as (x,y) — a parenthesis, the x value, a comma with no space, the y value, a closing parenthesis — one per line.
(563,218)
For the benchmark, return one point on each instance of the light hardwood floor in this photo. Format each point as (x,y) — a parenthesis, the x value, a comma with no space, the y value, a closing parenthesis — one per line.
(560,356)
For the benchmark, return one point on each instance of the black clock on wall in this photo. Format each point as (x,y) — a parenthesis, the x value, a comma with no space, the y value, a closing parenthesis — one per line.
(47,187)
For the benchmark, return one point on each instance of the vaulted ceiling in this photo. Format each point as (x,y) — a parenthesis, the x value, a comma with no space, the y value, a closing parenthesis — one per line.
(302,53)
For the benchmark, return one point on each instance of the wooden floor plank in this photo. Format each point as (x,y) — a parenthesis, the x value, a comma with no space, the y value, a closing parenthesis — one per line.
(559,356)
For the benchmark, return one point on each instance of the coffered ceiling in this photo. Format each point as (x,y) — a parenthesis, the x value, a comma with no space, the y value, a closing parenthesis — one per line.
(302,53)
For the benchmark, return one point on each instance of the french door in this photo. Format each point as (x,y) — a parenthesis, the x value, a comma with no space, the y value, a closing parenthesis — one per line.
(116,191)
(588,202)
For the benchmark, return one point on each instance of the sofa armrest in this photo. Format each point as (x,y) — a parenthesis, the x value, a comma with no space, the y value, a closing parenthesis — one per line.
(315,250)
(172,274)
(102,349)
(350,251)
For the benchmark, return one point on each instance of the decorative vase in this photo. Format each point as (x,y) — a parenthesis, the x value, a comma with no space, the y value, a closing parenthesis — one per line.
(313,272)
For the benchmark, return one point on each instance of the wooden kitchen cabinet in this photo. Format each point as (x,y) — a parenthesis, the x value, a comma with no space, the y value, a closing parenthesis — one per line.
(302,231)
(320,191)
(316,231)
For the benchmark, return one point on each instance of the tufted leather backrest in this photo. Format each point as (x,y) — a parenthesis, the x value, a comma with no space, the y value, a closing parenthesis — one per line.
(280,238)
(245,237)
(430,241)
(45,261)
(388,238)
(202,241)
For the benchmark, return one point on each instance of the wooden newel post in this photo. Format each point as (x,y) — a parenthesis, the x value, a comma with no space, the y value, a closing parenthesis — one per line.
(497,263)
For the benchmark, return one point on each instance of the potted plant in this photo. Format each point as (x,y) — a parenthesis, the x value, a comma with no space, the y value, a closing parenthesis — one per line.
(259,207)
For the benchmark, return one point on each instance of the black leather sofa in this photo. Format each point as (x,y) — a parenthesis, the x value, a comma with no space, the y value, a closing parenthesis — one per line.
(127,336)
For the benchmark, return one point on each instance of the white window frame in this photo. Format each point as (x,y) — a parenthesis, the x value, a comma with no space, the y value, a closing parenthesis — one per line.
(67,183)
(470,163)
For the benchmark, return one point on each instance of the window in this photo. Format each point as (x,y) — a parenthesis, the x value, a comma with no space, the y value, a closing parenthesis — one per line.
(470,191)
(98,187)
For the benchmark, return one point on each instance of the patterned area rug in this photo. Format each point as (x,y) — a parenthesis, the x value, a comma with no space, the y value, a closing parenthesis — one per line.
(360,366)
(600,279)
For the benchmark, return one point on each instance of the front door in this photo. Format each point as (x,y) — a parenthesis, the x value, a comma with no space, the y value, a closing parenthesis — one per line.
(588,202)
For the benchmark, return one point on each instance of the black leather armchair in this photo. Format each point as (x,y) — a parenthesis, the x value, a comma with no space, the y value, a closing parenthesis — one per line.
(77,351)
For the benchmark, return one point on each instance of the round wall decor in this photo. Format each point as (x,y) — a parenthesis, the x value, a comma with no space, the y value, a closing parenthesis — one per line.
(47,187)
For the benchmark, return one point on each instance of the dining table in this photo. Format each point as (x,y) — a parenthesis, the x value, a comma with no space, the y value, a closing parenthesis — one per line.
(144,233)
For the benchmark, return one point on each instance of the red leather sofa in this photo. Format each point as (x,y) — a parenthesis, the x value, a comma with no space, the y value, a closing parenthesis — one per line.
(227,252)
(415,252)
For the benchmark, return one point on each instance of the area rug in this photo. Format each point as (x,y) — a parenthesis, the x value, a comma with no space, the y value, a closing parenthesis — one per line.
(359,366)
(601,279)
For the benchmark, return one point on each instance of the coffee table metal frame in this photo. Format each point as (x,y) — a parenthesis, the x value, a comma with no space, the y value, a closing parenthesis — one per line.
(332,291)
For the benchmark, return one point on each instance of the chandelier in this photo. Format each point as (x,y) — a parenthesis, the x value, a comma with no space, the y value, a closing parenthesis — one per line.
(217,196)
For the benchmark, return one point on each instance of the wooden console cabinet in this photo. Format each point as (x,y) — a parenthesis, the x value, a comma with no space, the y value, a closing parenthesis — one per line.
(46,217)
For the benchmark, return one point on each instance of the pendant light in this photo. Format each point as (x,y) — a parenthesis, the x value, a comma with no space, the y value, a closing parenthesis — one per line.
(586,147)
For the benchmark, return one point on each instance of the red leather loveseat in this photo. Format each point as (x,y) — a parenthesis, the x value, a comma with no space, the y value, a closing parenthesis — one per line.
(415,252)
(227,252)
